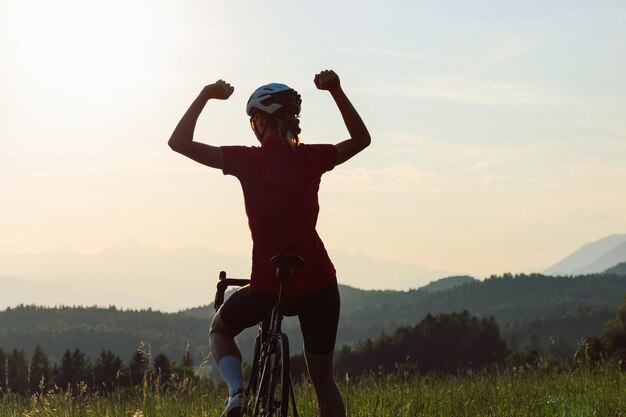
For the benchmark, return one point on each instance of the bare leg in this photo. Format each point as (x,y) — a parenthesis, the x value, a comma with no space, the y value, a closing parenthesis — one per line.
(328,395)
(227,356)
(222,339)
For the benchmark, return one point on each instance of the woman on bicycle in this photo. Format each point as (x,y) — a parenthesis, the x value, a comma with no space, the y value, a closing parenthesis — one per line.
(280,180)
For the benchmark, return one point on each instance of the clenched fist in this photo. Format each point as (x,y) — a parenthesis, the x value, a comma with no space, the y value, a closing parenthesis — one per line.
(220,90)
(327,80)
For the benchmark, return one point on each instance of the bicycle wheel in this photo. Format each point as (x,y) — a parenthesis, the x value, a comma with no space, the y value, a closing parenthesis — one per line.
(275,381)
(259,404)
(253,379)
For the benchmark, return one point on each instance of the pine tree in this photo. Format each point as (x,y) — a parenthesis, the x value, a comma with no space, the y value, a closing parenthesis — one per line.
(138,367)
(106,370)
(162,368)
(39,370)
(74,369)
(4,359)
(17,372)
(614,335)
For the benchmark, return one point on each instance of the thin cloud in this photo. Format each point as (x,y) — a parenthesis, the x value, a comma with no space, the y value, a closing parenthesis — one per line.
(610,126)
(396,53)
(510,48)
(465,89)
(480,166)
(491,179)
(388,178)
(605,2)
(478,92)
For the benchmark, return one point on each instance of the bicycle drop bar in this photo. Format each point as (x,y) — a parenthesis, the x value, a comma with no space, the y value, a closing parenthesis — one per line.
(223,284)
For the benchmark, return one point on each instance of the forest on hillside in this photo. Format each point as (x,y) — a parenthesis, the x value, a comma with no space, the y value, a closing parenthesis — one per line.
(430,346)
(439,344)
(551,313)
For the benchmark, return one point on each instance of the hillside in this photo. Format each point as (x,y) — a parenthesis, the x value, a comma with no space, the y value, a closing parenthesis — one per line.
(586,259)
(611,258)
(447,283)
(619,269)
(522,306)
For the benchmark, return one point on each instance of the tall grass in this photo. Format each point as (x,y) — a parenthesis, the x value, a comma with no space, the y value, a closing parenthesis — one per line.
(523,393)
(506,393)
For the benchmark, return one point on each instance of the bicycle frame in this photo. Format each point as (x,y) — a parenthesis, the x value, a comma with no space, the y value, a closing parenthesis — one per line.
(265,370)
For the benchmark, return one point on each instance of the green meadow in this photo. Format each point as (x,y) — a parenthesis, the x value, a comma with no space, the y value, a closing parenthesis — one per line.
(512,392)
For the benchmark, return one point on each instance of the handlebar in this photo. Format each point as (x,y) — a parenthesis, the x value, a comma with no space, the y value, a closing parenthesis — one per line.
(223,284)
(284,264)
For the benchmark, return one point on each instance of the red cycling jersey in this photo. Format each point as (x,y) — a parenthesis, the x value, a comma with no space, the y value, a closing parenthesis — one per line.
(280,192)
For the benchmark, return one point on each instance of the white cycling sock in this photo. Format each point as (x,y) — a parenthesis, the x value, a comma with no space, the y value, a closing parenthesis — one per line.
(230,367)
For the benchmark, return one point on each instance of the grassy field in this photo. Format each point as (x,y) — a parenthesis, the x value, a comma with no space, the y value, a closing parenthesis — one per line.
(507,393)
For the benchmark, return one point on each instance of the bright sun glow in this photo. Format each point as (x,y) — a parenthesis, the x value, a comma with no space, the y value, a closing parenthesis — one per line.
(83,45)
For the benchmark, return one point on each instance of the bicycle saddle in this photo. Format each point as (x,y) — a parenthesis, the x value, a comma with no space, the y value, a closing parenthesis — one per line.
(285,263)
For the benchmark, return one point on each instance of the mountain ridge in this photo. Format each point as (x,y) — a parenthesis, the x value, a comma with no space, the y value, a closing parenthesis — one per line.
(606,261)
(447,283)
(137,276)
(581,260)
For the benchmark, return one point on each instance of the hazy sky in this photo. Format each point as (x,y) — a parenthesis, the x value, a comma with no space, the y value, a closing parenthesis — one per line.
(498,127)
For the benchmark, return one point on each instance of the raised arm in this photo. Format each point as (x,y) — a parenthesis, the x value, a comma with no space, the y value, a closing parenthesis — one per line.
(182,141)
(359,136)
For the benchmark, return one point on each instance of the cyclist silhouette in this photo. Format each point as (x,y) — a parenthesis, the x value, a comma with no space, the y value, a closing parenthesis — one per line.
(280,181)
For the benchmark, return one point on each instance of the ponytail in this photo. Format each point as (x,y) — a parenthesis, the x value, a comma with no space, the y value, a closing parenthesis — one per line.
(289,129)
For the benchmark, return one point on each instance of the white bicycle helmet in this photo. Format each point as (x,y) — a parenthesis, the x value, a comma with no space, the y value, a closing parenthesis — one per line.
(270,98)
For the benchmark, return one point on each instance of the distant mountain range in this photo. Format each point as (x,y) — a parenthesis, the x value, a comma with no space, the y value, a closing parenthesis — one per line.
(130,275)
(592,258)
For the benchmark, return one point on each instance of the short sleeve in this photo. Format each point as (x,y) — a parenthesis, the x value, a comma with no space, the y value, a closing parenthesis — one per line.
(237,160)
(325,155)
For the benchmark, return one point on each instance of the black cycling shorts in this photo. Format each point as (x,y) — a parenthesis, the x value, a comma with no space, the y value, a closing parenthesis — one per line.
(317,311)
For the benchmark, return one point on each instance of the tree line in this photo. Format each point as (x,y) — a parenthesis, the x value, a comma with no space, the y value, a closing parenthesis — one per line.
(533,309)
(448,343)
(92,329)
(23,375)
(443,343)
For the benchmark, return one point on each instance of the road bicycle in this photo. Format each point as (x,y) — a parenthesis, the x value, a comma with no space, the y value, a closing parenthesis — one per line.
(270,388)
